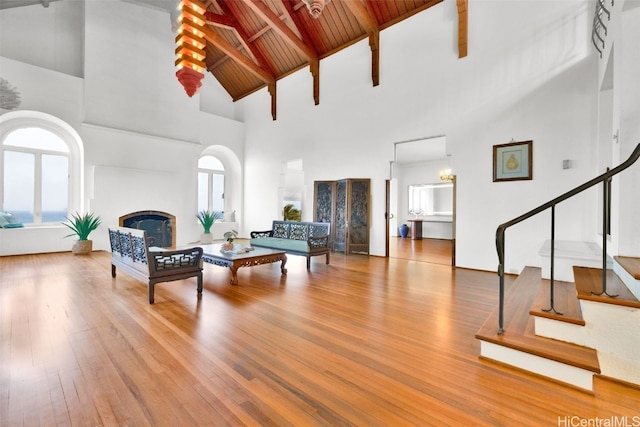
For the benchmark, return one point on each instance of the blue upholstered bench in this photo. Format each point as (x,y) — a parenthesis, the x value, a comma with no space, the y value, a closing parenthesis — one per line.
(297,238)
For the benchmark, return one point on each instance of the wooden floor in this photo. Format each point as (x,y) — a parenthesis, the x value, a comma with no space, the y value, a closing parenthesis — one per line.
(364,341)
(437,251)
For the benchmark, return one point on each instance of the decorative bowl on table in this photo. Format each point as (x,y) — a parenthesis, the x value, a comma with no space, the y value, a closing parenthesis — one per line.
(235,250)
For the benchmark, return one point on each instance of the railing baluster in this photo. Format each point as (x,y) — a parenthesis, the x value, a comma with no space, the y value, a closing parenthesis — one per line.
(606,213)
(553,258)
(599,23)
(593,40)
(603,8)
(605,220)
(500,248)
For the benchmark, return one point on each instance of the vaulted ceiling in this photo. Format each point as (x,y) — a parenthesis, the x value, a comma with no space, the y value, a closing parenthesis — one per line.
(251,44)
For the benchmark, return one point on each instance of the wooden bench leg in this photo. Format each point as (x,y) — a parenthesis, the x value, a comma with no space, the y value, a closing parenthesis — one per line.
(200,284)
(327,261)
(308,262)
(113,270)
(151,289)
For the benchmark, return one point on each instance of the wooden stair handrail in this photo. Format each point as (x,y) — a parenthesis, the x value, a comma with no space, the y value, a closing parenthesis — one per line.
(500,232)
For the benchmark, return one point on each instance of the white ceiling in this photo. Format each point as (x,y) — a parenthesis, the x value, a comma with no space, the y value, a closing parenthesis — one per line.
(164,5)
(8,4)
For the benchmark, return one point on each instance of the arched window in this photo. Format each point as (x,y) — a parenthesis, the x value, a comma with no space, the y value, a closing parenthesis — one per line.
(41,168)
(210,184)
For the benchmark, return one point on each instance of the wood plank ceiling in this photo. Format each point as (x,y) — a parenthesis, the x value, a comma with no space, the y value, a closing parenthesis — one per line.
(251,44)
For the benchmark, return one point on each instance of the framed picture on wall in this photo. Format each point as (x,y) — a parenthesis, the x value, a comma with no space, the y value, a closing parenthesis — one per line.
(513,161)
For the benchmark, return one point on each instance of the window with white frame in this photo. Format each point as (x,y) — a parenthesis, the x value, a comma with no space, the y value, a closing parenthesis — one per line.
(36,175)
(210,184)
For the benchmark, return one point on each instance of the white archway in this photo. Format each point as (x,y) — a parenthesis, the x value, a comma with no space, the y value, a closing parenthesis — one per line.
(14,120)
(233,177)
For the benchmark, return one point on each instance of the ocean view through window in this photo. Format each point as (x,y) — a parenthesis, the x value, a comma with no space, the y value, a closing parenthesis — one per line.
(35,179)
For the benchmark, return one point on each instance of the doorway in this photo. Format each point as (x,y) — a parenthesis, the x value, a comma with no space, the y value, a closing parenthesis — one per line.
(423,164)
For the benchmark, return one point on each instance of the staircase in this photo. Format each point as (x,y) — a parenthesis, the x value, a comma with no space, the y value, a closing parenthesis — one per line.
(586,335)
(585,327)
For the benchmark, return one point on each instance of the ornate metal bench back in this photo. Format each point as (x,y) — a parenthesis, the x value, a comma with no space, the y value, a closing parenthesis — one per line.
(129,245)
(300,230)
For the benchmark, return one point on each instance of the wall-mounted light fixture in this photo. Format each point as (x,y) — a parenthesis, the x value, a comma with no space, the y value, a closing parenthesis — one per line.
(445,175)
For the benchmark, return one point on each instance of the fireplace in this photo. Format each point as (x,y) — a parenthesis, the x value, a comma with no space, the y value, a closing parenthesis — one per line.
(160,227)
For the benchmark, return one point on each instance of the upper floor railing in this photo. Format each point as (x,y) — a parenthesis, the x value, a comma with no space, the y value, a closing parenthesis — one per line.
(604,179)
(599,27)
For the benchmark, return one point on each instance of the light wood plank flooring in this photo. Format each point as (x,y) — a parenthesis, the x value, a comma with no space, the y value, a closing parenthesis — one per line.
(364,341)
(437,251)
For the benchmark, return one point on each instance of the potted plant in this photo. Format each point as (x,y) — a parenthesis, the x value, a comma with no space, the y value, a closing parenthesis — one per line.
(82,226)
(229,237)
(290,213)
(207,219)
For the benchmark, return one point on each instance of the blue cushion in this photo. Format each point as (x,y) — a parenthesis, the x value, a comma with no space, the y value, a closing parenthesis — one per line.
(8,221)
(281,244)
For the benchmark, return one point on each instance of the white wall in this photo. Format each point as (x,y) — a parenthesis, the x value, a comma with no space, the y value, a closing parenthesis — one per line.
(629,64)
(141,133)
(531,74)
(51,37)
(530,78)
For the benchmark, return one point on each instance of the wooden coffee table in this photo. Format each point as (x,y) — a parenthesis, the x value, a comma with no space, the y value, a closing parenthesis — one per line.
(235,260)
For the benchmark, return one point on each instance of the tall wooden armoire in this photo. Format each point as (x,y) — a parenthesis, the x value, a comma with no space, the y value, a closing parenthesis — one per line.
(345,204)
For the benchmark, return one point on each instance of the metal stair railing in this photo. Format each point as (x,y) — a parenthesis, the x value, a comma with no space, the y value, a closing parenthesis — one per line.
(598,24)
(605,179)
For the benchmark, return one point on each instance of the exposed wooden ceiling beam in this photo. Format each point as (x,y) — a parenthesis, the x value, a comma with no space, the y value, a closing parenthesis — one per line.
(272,91)
(262,10)
(245,39)
(244,61)
(463,19)
(262,69)
(275,23)
(362,14)
(314,65)
(368,22)
(291,7)
(223,21)
(374,44)
(229,22)
(271,39)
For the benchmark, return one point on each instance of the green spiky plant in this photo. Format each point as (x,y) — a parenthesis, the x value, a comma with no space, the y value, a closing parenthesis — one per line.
(207,219)
(230,235)
(82,225)
(290,213)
